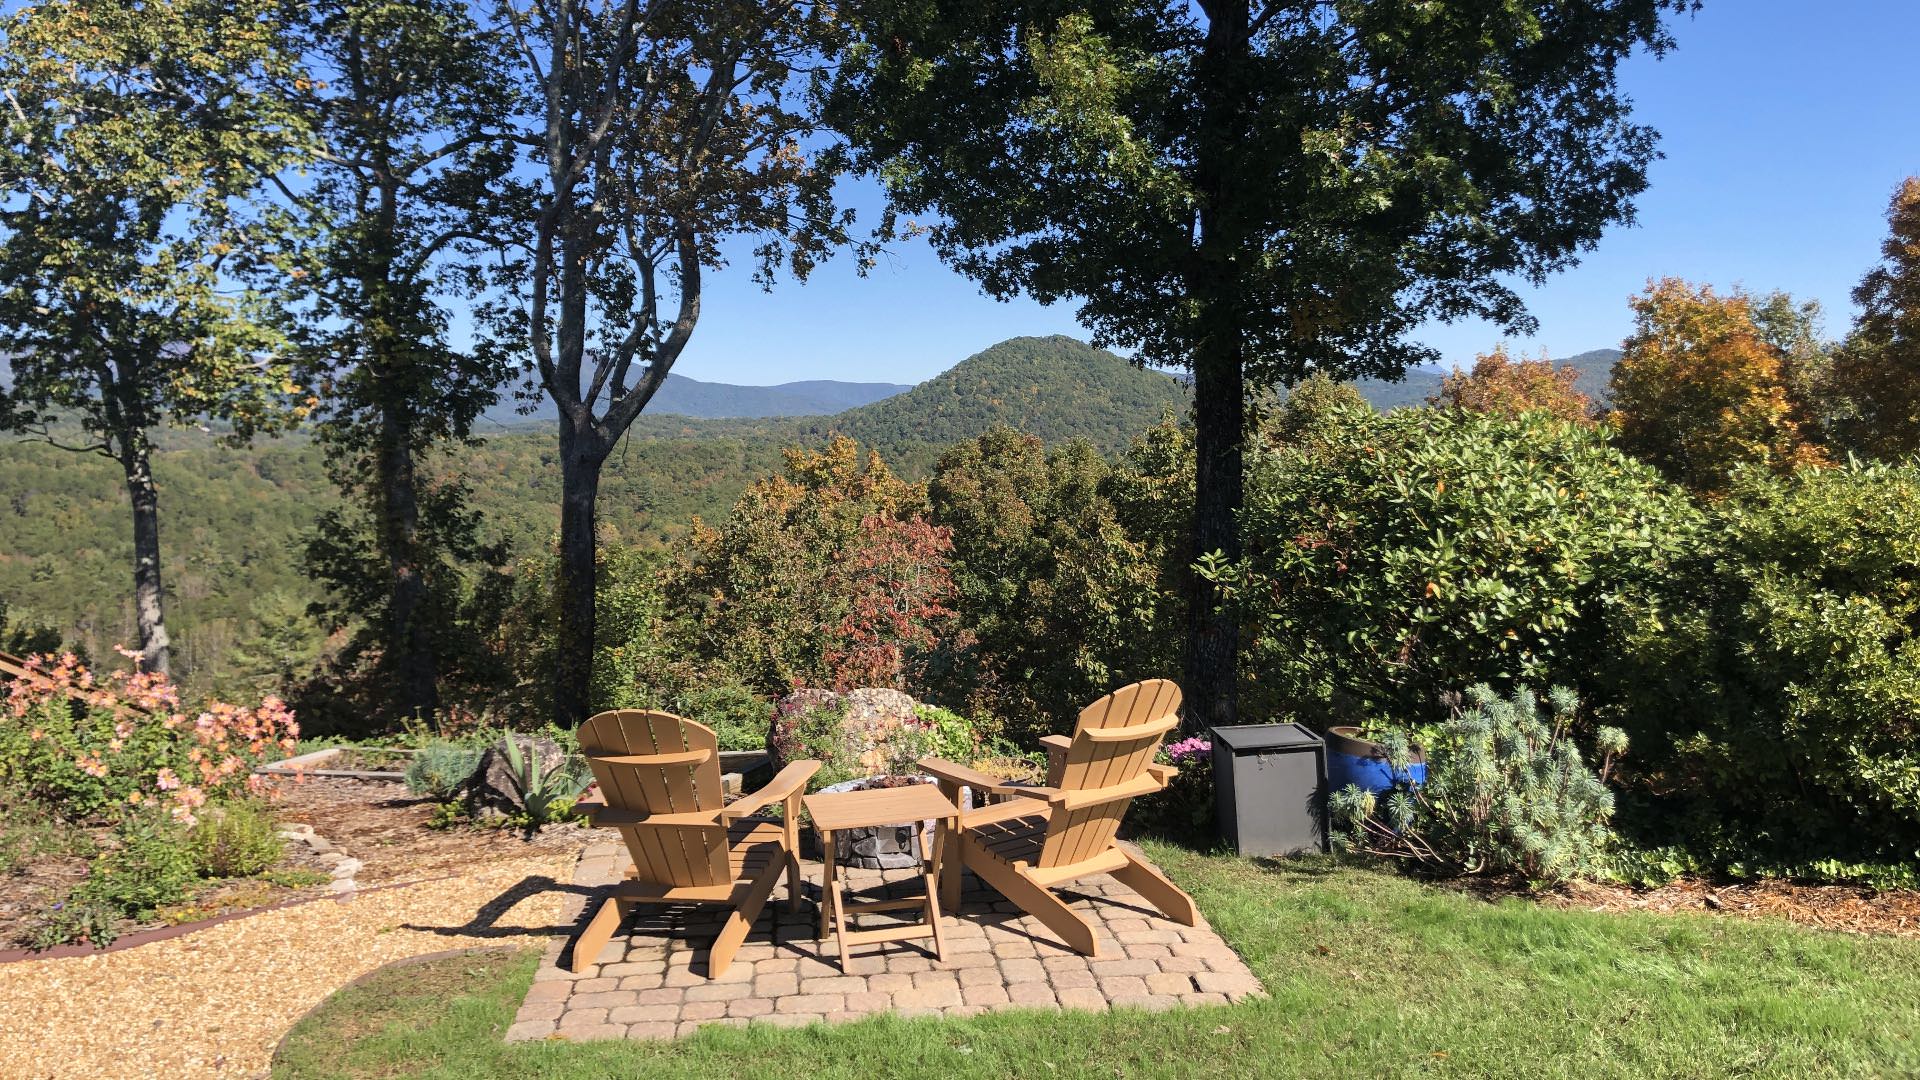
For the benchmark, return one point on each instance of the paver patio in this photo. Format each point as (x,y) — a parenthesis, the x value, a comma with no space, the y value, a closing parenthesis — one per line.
(650,982)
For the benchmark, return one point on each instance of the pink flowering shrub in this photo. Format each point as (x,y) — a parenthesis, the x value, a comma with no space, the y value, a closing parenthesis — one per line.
(1184,811)
(98,746)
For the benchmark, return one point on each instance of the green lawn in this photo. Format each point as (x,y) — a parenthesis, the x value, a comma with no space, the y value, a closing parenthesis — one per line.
(1370,974)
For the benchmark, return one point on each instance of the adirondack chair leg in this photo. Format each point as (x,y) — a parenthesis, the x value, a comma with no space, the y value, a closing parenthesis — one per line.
(1146,879)
(790,828)
(599,931)
(1035,901)
(745,912)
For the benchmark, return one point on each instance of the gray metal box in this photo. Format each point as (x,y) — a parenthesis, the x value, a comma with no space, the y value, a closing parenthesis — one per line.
(1269,787)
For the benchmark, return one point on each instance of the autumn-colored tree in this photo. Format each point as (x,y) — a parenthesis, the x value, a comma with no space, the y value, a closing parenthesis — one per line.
(1700,390)
(1504,386)
(1877,373)
(827,575)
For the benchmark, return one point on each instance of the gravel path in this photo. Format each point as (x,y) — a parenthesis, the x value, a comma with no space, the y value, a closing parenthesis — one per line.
(215,1002)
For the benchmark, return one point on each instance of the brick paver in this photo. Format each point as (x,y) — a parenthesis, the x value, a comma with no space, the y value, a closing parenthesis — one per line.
(651,983)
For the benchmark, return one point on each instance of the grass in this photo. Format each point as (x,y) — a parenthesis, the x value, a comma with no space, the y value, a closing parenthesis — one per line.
(1369,974)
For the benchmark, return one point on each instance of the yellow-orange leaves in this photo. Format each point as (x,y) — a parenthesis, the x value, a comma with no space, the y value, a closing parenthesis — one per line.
(1699,391)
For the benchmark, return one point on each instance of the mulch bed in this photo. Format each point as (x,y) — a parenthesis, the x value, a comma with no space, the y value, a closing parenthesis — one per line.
(384,826)
(1848,908)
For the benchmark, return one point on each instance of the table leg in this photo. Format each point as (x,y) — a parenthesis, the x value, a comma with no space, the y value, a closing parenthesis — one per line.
(933,880)
(826,881)
(839,909)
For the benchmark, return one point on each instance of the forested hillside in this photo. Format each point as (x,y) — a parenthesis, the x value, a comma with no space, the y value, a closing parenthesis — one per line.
(236,519)
(1053,387)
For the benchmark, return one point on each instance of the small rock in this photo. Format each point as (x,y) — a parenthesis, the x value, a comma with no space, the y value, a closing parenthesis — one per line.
(330,858)
(319,845)
(342,886)
(345,868)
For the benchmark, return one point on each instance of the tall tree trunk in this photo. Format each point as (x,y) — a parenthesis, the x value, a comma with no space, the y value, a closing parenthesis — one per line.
(136,460)
(1219,380)
(582,452)
(1213,631)
(410,645)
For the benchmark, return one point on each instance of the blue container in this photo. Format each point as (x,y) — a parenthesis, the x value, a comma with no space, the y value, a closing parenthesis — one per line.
(1362,763)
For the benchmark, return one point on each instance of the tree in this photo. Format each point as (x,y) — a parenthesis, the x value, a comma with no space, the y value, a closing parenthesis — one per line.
(827,575)
(1507,387)
(1405,556)
(1878,371)
(661,132)
(133,132)
(1253,190)
(409,104)
(1056,597)
(1699,390)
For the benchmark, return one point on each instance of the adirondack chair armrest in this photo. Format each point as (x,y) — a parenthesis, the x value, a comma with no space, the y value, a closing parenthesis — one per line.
(600,815)
(1056,747)
(967,778)
(788,784)
(1162,773)
(1048,794)
(1145,784)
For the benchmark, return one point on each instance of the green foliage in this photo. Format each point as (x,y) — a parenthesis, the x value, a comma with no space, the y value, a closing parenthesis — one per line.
(30,831)
(948,735)
(545,793)
(737,714)
(1054,388)
(1507,792)
(234,839)
(827,575)
(441,767)
(1776,692)
(1392,557)
(1058,598)
(149,867)
(885,747)
(1184,810)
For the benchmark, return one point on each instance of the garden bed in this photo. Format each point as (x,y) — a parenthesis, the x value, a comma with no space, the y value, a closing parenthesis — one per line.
(376,822)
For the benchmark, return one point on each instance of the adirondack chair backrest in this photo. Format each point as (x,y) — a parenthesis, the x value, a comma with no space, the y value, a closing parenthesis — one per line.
(1113,744)
(655,763)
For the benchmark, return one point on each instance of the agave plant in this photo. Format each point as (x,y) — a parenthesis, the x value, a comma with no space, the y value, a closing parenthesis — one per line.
(538,788)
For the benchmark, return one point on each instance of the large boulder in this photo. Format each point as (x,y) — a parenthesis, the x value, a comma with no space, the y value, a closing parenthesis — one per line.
(492,791)
(855,730)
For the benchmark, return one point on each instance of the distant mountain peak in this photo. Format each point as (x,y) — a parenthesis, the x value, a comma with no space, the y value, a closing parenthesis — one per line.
(1055,386)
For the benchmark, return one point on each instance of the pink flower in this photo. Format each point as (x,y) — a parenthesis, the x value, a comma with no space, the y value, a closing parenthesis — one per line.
(165,780)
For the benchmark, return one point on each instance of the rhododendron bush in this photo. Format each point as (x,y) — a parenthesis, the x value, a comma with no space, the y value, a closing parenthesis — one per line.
(90,745)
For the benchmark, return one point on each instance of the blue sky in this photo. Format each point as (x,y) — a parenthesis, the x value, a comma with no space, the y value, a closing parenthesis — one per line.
(1786,126)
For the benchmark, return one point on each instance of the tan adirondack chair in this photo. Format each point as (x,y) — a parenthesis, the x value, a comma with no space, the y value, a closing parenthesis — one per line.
(11,666)
(1039,838)
(659,784)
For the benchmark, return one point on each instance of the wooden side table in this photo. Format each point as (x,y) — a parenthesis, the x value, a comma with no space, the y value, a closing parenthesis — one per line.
(875,807)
